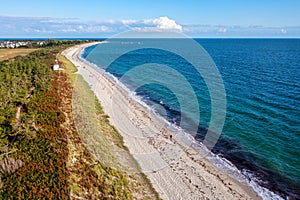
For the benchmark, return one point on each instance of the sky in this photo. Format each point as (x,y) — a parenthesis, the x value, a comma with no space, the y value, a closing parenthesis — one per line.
(195,18)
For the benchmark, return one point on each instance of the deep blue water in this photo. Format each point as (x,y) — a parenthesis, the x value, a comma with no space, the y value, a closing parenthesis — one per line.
(262,82)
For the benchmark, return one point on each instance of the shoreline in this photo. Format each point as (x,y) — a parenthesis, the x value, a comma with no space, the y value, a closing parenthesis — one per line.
(175,170)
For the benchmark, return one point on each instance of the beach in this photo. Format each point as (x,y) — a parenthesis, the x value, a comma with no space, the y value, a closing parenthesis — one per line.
(176,170)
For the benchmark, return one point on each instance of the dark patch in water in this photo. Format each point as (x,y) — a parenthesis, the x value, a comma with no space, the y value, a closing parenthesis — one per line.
(245,162)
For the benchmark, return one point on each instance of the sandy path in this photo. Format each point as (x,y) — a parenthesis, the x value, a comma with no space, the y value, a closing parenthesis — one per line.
(175,170)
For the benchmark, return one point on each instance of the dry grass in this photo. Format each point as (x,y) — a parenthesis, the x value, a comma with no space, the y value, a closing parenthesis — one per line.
(10,53)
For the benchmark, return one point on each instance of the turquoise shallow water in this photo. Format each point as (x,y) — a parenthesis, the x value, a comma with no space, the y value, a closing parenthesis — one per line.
(262,82)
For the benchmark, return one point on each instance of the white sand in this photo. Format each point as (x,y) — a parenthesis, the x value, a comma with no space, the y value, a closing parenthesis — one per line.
(175,170)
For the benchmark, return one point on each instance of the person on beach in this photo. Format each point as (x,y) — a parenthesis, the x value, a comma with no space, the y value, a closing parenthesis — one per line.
(164,132)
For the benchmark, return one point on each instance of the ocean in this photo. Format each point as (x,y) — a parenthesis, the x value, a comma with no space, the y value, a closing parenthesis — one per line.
(261,78)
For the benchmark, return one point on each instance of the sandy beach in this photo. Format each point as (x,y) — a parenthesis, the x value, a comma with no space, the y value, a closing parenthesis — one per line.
(176,170)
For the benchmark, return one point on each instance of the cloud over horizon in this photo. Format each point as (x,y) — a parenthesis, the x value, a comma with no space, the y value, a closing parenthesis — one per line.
(72,27)
(164,23)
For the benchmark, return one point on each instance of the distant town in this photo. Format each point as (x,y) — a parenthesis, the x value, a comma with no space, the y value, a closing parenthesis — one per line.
(12,44)
(21,44)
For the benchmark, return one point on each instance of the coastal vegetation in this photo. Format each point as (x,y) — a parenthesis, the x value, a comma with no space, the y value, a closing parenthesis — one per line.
(42,154)
(35,137)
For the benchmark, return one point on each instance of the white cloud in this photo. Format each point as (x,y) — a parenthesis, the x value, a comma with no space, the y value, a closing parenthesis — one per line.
(97,29)
(222,30)
(68,30)
(80,27)
(129,22)
(164,23)
(157,24)
(284,31)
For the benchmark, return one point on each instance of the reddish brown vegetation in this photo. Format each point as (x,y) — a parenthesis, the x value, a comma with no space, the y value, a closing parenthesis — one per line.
(45,173)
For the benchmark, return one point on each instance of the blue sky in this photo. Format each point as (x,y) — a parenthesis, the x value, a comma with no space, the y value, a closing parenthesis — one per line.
(198,18)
